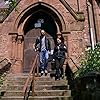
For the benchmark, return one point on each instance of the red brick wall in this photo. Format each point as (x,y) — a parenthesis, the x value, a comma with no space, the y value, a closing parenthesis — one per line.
(77,39)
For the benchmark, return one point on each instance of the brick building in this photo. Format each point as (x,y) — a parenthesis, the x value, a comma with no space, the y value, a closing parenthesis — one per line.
(77,20)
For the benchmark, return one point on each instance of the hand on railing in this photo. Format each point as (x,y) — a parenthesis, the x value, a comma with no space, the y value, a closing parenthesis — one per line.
(72,62)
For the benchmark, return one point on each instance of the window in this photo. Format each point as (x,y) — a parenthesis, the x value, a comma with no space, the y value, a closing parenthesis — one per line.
(38,23)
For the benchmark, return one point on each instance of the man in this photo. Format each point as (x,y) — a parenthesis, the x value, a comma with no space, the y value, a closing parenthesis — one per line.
(43,46)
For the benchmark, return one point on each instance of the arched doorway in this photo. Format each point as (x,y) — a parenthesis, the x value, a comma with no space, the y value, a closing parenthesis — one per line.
(41,16)
(37,21)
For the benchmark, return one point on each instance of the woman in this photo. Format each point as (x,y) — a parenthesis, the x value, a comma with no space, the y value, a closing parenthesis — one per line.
(59,56)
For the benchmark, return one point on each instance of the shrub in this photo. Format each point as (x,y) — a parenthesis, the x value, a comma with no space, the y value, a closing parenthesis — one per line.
(2,78)
(90,61)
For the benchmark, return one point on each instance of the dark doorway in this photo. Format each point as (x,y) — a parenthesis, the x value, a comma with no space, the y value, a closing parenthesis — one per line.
(34,24)
(41,20)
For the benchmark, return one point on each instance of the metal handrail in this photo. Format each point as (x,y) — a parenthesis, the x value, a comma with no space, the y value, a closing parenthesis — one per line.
(31,74)
(73,62)
(33,77)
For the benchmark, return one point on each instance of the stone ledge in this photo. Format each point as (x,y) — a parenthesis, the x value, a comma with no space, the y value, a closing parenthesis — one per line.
(4,65)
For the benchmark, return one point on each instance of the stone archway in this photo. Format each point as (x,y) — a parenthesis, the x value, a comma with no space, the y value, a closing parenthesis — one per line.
(24,25)
(37,21)
(23,16)
(29,49)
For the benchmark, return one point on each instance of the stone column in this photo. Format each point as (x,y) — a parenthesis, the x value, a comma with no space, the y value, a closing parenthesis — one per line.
(65,35)
(19,47)
(13,47)
(17,68)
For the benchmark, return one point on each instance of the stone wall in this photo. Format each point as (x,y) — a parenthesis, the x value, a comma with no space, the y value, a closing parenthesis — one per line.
(78,37)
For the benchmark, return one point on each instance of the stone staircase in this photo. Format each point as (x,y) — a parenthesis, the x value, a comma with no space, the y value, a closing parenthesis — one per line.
(13,87)
(45,88)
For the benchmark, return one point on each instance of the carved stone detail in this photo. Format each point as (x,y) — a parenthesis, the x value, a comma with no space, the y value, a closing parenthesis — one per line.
(20,39)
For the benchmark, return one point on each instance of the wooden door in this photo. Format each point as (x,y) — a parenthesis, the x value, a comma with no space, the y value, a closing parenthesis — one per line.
(29,51)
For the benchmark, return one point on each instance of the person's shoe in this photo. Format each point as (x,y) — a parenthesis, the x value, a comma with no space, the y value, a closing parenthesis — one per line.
(42,73)
(62,76)
(46,72)
(56,78)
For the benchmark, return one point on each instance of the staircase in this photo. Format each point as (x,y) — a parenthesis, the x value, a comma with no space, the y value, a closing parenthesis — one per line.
(13,87)
(45,88)
(49,89)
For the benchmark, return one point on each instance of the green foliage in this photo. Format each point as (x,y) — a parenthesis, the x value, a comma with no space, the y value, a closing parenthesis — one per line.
(11,4)
(90,61)
(2,78)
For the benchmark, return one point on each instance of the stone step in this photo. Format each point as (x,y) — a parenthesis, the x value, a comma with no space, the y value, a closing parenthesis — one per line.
(38,98)
(13,93)
(14,87)
(17,78)
(44,78)
(12,98)
(38,87)
(51,87)
(50,98)
(18,75)
(40,93)
(53,93)
(58,82)
(45,88)
(16,81)
(11,83)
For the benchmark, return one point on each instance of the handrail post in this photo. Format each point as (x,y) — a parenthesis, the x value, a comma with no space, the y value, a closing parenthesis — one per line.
(73,62)
(30,78)
(33,78)
(33,85)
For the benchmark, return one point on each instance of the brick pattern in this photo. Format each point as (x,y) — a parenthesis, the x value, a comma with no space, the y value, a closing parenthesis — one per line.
(78,38)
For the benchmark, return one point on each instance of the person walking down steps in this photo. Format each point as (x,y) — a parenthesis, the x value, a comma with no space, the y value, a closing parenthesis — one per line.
(59,57)
(42,45)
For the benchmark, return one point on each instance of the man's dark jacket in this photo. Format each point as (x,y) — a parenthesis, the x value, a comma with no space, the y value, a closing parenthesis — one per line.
(39,41)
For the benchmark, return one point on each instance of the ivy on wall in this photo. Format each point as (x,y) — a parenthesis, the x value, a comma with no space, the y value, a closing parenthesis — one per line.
(90,61)
(2,79)
(11,3)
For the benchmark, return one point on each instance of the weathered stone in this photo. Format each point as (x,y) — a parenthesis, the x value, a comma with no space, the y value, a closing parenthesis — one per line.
(75,40)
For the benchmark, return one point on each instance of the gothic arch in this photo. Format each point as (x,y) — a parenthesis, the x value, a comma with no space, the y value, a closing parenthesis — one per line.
(26,13)
(21,23)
